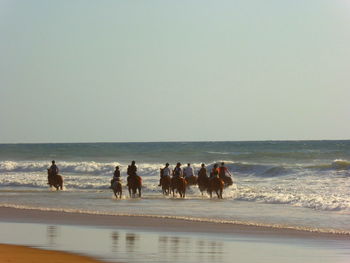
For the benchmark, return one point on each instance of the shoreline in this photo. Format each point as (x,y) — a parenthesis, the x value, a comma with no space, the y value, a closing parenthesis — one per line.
(154,223)
(19,254)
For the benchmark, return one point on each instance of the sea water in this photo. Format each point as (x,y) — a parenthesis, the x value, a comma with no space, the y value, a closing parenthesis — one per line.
(289,184)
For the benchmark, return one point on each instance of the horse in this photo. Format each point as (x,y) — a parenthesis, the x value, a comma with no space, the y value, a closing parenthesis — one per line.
(191,180)
(216,184)
(227,180)
(165,182)
(178,184)
(117,189)
(55,180)
(134,184)
(203,183)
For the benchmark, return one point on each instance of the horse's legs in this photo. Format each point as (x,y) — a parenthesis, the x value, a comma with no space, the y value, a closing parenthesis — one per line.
(129,192)
(139,191)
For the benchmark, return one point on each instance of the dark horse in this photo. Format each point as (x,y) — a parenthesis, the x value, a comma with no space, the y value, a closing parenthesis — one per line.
(191,180)
(55,180)
(227,180)
(165,182)
(216,184)
(117,189)
(134,184)
(178,184)
(203,182)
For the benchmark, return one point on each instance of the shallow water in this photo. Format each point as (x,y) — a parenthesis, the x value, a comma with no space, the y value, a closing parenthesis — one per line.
(130,245)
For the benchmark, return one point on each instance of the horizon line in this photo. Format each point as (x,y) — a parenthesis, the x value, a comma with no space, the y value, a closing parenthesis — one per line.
(175,141)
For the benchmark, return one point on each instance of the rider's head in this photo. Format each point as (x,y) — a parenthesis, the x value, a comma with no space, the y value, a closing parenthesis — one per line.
(53,161)
(178,164)
(203,165)
(216,165)
(222,164)
(188,164)
(167,164)
(133,163)
(117,167)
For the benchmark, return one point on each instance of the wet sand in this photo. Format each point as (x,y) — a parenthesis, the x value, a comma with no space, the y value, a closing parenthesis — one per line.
(153,223)
(22,254)
(137,239)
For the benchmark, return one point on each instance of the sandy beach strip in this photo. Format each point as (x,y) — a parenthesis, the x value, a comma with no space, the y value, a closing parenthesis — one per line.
(22,254)
(151,223)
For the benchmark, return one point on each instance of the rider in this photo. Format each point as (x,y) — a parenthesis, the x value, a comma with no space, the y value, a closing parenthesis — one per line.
(164,172)
(177,171)
(202,174)
(131,172)
(116,176)
(53,170)
(188,171)
(214,172)
(223,171)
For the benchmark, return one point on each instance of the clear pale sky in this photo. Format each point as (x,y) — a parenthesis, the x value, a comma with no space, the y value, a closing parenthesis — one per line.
(114,71)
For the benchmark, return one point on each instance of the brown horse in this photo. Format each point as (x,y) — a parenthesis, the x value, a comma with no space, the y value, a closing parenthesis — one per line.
(165,182)
(191,180)
(134,184)
(117,189)
(55,180)
(178,184)
(227,180)
(216,184)
(203,182)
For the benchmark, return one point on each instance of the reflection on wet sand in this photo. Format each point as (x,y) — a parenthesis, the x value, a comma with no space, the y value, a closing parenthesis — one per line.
(131,239)
(115,239)
(175,248)
(51,235)
(209,250)
(133,246)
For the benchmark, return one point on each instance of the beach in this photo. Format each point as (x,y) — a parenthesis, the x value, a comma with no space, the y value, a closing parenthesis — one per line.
(147,239)
(289,202)
(19,254)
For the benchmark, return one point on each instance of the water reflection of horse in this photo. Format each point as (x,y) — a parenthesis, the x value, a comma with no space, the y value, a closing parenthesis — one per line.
(55,180)
(165,182)
(178,184)
(117,189)
(134,185)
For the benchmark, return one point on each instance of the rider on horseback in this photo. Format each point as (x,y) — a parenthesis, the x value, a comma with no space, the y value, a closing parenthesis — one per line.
(164,172)
(214,172)
(116,176)
(177,171)
(131,172)
(188,171)
(223,171)
(53,171)
(202,174)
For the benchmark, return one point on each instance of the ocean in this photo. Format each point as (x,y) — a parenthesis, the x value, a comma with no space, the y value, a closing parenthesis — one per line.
(281,184)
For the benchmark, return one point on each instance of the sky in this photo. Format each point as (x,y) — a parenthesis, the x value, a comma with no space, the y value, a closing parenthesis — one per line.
(134,71)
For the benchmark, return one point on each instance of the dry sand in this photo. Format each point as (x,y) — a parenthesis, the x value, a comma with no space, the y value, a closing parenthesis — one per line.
(21,254)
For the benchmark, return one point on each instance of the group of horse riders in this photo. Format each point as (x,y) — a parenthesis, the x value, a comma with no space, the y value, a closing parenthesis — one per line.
(222,175)
(187,172)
